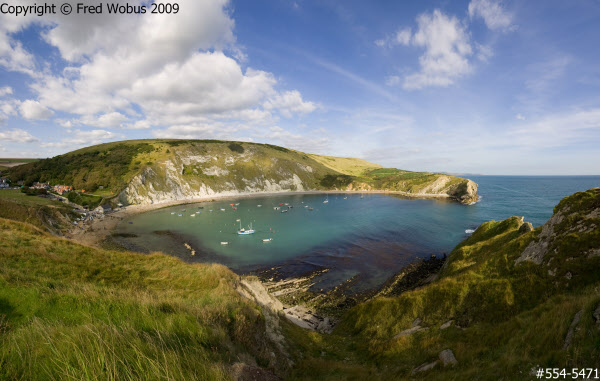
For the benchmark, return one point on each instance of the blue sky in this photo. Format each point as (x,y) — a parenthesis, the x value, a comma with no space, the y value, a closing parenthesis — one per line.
(476,86)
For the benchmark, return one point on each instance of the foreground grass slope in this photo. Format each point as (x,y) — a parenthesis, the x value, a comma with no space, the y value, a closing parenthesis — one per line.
(74,312)
(508,316)
(501,305)
(156,170)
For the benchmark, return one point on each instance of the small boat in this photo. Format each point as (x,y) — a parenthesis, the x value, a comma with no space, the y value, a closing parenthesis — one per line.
(306,206)
(179,215)
(172,212)
(276,208)
(285,210)
(345,197)
(234,208)
(222,209)
(326,200)
(238,220)
(290,206)
(362,196)
(237,204)
(200,207)
(224,243)
(243,231)
(193,215)
(267,239)
(258,206)
(281,204)
(311,209)
(210,210)
(231,204)
(286,204)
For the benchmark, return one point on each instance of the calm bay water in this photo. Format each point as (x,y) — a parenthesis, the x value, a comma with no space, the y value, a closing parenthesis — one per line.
(372,237)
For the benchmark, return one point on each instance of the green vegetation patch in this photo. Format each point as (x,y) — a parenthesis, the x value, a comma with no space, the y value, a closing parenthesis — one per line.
(336,181)
(84,169)
(74,312)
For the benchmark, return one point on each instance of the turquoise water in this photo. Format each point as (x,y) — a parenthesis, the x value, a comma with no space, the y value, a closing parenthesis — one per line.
(371,237)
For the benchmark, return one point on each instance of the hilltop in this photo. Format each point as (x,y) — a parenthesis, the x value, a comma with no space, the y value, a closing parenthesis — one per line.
(161,170)
(507,300)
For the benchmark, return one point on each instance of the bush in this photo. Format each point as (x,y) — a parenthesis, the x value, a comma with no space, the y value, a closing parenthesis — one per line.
(235,147)
(336,181)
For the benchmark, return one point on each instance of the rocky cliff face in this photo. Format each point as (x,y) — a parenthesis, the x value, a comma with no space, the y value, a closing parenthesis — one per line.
(568,245)
(197,169)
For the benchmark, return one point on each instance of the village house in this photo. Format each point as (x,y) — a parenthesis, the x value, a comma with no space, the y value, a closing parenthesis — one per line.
(37,185)
(61,189)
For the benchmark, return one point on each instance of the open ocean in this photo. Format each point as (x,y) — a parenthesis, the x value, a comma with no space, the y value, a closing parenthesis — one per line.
(371,237)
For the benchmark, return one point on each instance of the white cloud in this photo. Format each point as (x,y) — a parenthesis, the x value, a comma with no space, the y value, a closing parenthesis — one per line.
(6,90)
(484,52)
(109,120)
(139,71)
(401,37)
(33,110)
(447,48)
(18,136)
(492,13)
(289,103)
(520,117)
(79,138)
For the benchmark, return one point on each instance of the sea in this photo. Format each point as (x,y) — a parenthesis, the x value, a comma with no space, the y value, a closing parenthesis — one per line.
(367,238)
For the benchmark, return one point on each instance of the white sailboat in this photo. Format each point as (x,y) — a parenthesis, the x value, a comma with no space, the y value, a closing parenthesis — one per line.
(243,231)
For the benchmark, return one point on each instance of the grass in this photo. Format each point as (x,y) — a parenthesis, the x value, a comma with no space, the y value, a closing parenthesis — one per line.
(17,196)
(38,211)
(76,312)
(345,165)
(69,311)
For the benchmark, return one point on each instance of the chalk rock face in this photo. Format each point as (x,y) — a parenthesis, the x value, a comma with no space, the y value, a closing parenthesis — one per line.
(199,171)
(567,244)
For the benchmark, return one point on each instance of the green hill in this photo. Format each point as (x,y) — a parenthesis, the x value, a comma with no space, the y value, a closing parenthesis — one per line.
(509,299)
(158,170)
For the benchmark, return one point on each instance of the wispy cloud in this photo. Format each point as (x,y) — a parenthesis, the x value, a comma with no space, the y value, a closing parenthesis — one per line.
(492,13)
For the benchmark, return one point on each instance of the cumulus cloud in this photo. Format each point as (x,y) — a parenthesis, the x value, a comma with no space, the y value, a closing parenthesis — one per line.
(447,48)
(492,13)
(17,136)
(145,71)
(289,103)
(33,110)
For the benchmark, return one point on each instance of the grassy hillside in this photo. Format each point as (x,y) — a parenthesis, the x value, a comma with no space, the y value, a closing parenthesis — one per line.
(345,165)
(38,211)
(74,312)
(68,311)
(156,170)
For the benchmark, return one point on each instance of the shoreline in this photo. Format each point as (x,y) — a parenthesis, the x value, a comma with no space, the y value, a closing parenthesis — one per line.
(92,233)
